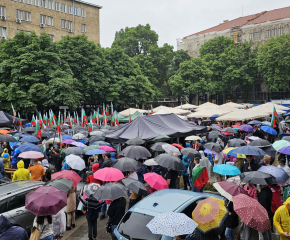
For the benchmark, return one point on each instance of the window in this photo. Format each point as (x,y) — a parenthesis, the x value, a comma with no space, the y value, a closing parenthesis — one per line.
(43,3)
(42,19)
(3,203)
(56,8)
(50,4)
(63,7)
(280,30)
(69,25)
(27,16)
(251,35)
(83,12)
(17,201)
(256,35)
(51,37)
(21,1)
(50,21)
(36,3)
(76,11)
(63,24)
(2,11)
(274,31)
(69,9)
(83,28)
(29,1)
(19,14)
(27,32)
(268,34)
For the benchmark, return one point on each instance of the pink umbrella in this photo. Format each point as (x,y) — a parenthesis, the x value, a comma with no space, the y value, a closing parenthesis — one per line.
(155,181)
(68,141)
(107,148)
(31,154)
(109,174)
(68,174)
(79,144)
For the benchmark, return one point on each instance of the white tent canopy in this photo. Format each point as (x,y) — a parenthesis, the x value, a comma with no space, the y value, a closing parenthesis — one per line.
(161,111)
(267,109)
(187,106)
(232,104)
(171,110)
(206,113)
(242,114)
(131,111)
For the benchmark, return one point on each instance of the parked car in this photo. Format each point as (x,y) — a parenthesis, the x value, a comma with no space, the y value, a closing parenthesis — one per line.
(133,224)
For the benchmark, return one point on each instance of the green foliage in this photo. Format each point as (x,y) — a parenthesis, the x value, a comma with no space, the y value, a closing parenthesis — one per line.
(215,46)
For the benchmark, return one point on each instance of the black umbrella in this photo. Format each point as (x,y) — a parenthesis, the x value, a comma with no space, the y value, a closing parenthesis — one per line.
(215,128)
(213,147)
(135,141)
(260,143)
(7,138)
(157,147)
(110,191)
(97,138)
(229,130)
(136,186)
(43,134)
(190,153)
(61,183)
(135,152)
(127,164)
(268,118)
(256,177)
(213,136)
(74,150)
(236,143)
(161,138)
(169,161)
(287,138)
(29,129)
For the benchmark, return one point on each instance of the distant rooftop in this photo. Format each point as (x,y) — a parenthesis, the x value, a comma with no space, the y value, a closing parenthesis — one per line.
(262,17)
(90,4)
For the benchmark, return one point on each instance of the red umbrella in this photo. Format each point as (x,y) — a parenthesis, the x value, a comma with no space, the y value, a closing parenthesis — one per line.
(251,212)
(235,126)
(155,181)
(227,133)
(109,174)
(177,145)
(229,189)
(68,174)
(47,200)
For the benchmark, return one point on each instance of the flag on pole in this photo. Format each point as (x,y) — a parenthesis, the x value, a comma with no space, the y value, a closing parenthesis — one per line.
(104,110)
(19,121)
(274,115)
(90,127)
(84,117)
(44,120)
(75,118)
(130,120)
(112,110)
(33,122)
(151,109)
(107,111)
(38,130)
(64,114)
(105,120)
(94,117)
(14,113)
(117,119)
(98,117)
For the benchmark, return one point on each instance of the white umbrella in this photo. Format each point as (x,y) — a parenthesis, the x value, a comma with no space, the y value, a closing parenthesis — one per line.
(192,138)
(78,136)
(254,138)
(150,162)
(75,162)
(171,149)
(97,133)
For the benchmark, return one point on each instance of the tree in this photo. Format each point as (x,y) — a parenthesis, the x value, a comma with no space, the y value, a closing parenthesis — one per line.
(215,46)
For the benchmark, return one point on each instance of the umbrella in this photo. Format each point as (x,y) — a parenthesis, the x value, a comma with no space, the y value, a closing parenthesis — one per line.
(169,161)
(249,150)
(150,162)
(266,123)
(213,147)
(97,133)
(135,152)
(29,147)
(172,224)
(260,143)
(155,181)
(228,130)
(108,174)
(7,138)
(210,214)
(177,145)
(31,154)
(190,153)
(229,189)
(78,136)
(75,162)
(269,130)
(90,189)
(236,143)
(277,145)
(285,150)
(110,191)
(106,127)
(135,141)
(74,150)
(226,169)
(47,200)
(161,138)
(107,149)
(97,138)
(95,152)
(43,134)
(229,151)
(29,129)
(29,139)
(79,144)
(253,138)
(127,164)
(102,143)
(207,151)
(136,186)
(216,128)
(213,136)
(255,177)
(254,122)
(157,147)
(280,175)
(235,180)
(171,149)
(67,141)
(192,138)
(61,183)
(251,212)
(286,138)
(68,174)
(91,147)
(246,128)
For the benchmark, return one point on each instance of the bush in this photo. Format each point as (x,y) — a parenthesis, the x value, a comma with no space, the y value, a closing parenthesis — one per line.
(209,187)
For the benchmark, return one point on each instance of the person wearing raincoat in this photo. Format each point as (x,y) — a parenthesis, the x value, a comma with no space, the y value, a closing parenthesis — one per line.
(282,220)
(21,173)
(6,160)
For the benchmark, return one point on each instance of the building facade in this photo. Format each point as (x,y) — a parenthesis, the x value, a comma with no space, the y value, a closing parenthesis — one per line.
(55,17)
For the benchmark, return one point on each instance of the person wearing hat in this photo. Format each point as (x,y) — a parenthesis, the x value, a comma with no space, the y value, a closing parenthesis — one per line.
(6,160)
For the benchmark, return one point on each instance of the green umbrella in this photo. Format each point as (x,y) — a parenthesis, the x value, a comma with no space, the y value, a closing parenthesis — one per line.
(280,144)
(105,127)
(161,138)
(91,148)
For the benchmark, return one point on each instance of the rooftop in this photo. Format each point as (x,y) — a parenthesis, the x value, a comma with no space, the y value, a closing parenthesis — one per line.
(257,18)
(90,4)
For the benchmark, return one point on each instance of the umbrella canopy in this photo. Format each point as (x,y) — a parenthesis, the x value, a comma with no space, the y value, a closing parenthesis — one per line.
(102,143)
(171,149)
(136,186)
(254,122)
(285,150)
(277,145)
(157,147)
(7,138)
(269,130)
(226,169)
(109,174)
(90,189)
(249,150)
(110,191)
(75,162)
(97,138)
(91,147)
(155,181)
(255,177)
(251,212)
(161,138)
(135,152)
(107,149)
(236,143)
(280,175)
(177,145)
(127,164)
(47,200)
(135,141)
(29,129)
(260,143)
(150,162)
(68,174)
(229,130)
(67,141)
(74,150)
(190,153)
(61,183)
(172,224)
(97,133)
(210,214)
(229,189)
(95,152)
(213,147)
(78,136)
(192,138)
(246,128)
(29,139)
(266,123)
(213,136)
(229,151)
(31,154)
(79,144)
(286,138)
(169,161)
(29,147)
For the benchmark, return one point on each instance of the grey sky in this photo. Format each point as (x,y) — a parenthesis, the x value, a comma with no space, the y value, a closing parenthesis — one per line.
(173,19)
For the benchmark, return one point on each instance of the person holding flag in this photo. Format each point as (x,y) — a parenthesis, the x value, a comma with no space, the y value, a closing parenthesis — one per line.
(199,176)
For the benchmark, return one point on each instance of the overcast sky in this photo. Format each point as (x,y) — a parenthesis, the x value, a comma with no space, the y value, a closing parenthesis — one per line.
(173,19)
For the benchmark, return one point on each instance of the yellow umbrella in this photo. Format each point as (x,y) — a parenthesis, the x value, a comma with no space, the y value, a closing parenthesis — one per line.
(227,150)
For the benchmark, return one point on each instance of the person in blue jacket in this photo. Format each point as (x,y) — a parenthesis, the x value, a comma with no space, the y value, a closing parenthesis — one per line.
(15,159)
(184,173)
(65,166)
(8,232)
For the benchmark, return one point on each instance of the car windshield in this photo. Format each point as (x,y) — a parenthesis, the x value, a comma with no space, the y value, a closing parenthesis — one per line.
(133,227)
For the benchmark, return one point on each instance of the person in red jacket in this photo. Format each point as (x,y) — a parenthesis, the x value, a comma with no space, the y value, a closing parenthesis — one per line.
(276,200)
(90,178)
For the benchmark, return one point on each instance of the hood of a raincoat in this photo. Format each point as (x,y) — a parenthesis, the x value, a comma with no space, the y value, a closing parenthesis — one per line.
(95,167)
(5,224)
(20,164)
(287,202)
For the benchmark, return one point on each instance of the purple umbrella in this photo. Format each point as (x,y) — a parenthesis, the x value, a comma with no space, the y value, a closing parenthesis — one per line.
(285,150)
(47,200)
(68,141)
(246,128)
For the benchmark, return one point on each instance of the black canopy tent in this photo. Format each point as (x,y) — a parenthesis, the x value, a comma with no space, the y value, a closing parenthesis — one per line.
(149,127)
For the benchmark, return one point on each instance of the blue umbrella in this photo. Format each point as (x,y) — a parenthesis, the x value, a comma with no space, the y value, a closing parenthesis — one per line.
(102,143)
(269,130)
(246,128)
(266,123)
(29,147)
(254,122)
(214,116)
(207,151)
(225,169)
(27,125)
(66,137)
(29,139)
(68,131)
(280,175)
(249,150)
(95,152)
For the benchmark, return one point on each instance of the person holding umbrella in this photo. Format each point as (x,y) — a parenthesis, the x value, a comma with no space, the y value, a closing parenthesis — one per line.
(71,207)
(44,225)
(250,165)
(282,220)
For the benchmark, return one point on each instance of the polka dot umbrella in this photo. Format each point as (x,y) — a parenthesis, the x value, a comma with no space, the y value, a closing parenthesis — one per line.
(251,212)
(210,214)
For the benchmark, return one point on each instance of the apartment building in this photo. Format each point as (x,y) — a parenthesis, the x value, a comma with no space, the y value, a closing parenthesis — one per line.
(55,17)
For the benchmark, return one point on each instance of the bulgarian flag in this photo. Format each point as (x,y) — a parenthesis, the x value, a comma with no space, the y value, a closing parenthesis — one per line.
(75,118)
(94,117)
(98,117)
(14,113)
(64,114)
(130,120)
(19,121)
(33,122)
(90,127)
(105,119)
(58,128)
(104,110)
(112,109)
(84,117)
(116,119)
(44,118)
(107,111)
(38,130)
(151,109)
(199,177)
(274,115)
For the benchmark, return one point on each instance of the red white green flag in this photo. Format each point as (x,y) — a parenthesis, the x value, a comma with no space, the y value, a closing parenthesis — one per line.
(112,109)
(44,118)
(98,117)
(199,177)
(58,127)
(33,121)
(94,117)
(130,120)
(151,109)
(117,118)
(14,113)
(274,115)
(90,127)
(105,119)
(64,114)
(38,130)
(19,121)
(107,111)
(104,110)
(84,118)
(75,118)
